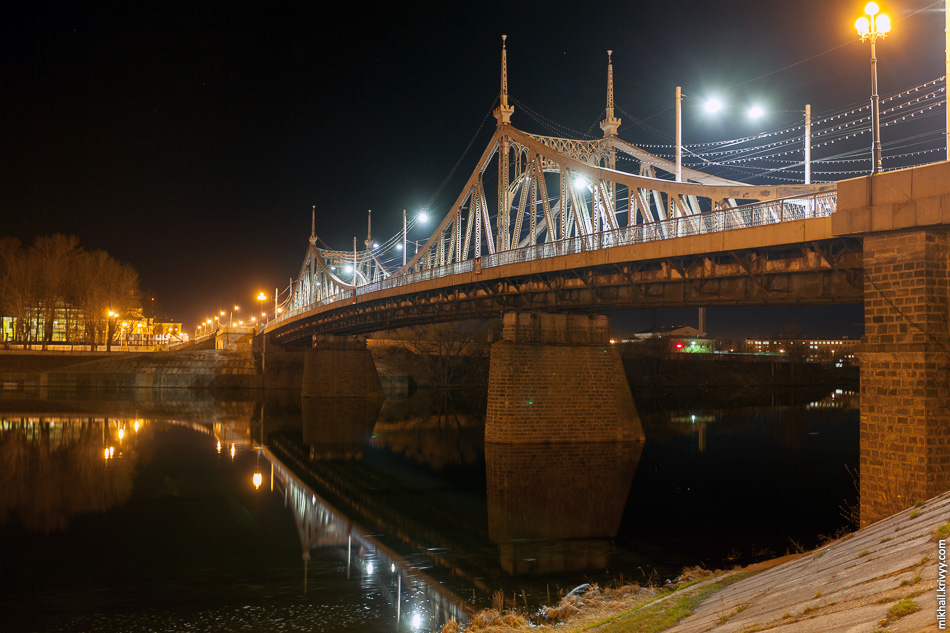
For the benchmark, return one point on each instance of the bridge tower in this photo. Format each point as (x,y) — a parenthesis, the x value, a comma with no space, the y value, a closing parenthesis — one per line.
(554,377)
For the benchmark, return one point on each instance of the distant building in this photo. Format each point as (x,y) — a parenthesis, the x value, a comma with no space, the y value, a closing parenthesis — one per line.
(822,350)
(679,338)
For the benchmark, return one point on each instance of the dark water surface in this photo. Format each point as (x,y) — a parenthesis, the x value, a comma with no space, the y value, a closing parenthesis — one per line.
(384,516)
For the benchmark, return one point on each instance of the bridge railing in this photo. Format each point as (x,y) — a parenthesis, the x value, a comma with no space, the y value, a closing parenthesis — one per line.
(818,205)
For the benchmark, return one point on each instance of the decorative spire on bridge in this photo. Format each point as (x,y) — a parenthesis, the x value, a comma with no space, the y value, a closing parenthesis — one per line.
(369,230)
(610,124)
(313,226)
(504,111)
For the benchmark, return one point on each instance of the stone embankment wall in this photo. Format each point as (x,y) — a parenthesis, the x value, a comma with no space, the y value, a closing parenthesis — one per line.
(218,369)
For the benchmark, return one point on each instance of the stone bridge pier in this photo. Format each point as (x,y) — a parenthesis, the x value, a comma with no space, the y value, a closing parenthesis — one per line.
(340,367)
(557,378)
(903,218)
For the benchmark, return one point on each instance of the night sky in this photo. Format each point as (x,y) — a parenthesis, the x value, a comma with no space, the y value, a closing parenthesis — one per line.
(190,139)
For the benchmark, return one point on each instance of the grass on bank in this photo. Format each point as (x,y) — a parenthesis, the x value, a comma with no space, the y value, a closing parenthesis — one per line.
(659,615)
(627,608)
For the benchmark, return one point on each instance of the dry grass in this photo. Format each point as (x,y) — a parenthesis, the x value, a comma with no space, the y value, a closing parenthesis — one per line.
(490,620)
(901,609)
(578,612)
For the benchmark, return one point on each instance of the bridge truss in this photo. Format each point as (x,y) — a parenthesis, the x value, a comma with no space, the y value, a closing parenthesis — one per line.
(555,197)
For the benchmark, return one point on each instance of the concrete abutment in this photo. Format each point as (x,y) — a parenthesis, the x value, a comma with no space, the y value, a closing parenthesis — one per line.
(557,378)
(903,219)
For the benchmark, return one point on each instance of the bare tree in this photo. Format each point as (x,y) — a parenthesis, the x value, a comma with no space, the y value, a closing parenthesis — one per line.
(103,285)
(53,257)
(18,286)
(446,344)
(55,279)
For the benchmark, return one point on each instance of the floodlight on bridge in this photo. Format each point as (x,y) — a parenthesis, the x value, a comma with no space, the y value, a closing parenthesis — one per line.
(421,217)
(713,105)
(756,111)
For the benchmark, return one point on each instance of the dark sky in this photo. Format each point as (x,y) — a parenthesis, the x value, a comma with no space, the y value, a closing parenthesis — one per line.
(190,139)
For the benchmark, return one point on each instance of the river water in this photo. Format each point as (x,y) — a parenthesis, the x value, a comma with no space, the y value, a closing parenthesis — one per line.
(139,512)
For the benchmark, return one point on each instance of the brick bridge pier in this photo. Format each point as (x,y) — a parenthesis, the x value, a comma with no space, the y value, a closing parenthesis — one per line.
(903,218)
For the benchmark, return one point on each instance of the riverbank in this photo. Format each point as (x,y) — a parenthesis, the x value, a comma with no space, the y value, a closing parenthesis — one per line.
(196,369)
(882,577)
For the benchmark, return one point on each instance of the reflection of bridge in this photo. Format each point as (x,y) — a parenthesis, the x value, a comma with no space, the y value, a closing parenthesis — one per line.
(569,234)
(416,597)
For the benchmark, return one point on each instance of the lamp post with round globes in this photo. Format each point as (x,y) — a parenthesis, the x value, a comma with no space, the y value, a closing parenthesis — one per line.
(873,26)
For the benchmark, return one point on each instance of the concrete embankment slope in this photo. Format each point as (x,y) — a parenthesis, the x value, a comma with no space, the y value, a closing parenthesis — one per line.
(222,369)
(883,577)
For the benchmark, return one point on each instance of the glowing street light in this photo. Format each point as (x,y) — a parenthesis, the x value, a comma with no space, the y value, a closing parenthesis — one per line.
(109,327)
(422,217)
(873,26)
(231,318)
(262,298)
(756,111)
(713,105)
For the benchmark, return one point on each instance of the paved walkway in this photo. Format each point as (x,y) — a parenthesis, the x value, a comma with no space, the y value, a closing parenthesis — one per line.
(848,586)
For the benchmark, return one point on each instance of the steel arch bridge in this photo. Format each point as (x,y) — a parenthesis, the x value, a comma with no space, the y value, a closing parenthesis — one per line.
(563,212)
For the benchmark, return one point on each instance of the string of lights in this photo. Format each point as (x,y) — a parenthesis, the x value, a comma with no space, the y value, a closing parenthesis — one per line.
(769,156)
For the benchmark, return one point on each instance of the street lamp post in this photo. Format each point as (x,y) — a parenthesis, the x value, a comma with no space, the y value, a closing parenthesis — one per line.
(112,317)
(873,26)
(262,298)
(714,105)
(422,217)
(679,134)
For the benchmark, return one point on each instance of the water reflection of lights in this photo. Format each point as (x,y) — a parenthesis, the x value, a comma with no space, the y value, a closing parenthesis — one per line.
(258,479)
(839,399)
(417,597)
(109,452)
(121,434)
(692,418)
(232,451)
(219,447)
(135,426)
